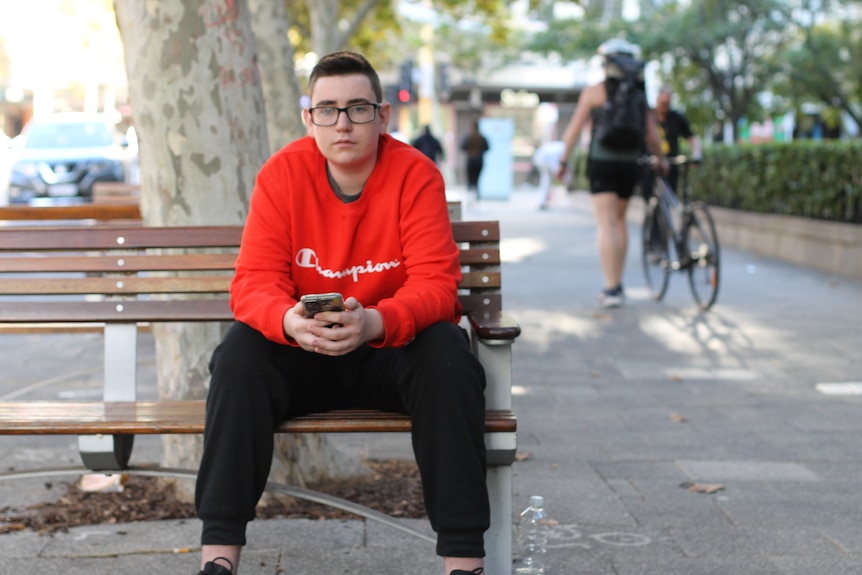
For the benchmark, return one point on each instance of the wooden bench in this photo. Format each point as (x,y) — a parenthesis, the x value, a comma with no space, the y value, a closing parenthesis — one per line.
(117,212)
(120,278)
(110,205)
(116,192)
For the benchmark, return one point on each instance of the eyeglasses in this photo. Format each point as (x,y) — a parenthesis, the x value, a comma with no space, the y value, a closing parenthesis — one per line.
(356,113)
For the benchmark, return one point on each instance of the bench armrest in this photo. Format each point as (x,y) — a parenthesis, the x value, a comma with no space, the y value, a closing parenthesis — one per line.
(492,336)
(494,325)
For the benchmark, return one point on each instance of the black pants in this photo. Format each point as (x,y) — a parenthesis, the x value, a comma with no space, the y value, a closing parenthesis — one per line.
(474,170)
(257,383)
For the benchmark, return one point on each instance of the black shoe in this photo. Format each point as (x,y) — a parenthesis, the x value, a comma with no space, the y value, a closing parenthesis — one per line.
(476,571)
(213,568)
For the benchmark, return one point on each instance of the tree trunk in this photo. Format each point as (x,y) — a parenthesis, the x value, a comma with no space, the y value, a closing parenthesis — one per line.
(305,458)
(199,114)
(324,25)
(198,108)
(281,90)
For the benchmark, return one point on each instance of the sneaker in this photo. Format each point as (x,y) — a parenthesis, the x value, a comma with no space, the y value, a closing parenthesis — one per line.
(476,571)
(213,568)
(612,297)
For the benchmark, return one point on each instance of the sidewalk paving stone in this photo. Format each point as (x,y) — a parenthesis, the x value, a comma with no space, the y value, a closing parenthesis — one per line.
(617,409)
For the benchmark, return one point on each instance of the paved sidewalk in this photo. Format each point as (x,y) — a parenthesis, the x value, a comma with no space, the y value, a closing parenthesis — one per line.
(618,411)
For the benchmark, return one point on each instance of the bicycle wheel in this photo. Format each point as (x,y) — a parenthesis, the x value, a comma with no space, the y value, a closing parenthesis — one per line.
(656,249)
(705,262)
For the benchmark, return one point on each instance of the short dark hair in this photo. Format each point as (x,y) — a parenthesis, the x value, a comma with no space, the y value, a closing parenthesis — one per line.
(343,63)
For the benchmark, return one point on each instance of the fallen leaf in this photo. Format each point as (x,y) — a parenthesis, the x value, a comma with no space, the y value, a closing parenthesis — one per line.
(677,418)
(393,488)
(522,456)
(596,374)
(675,378)
(702,487)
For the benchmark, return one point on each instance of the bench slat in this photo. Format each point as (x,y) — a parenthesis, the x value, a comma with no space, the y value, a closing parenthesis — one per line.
(116,311)
(97,211)
(480,256)
(483,279)
(118,285)
(481,302)
(79,238)
(476,231)
(187,416)
(118,263)
(64,312)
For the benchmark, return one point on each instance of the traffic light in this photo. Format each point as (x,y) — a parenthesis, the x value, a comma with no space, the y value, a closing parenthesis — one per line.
(405,84)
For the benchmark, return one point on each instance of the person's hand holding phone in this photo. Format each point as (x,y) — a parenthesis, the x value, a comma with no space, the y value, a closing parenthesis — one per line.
(329,325)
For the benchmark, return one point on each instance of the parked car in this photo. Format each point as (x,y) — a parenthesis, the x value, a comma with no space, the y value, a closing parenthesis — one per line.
(63,155)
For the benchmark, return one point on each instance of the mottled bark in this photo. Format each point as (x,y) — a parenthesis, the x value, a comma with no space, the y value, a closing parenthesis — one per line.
(281,92)
(198,110)
(198,107)
(323,15)
(307,458)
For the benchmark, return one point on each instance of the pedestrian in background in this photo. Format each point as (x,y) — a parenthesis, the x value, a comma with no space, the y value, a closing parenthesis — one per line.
(475,145)
(613,173)
(672,127)
(429,145)
(547,162)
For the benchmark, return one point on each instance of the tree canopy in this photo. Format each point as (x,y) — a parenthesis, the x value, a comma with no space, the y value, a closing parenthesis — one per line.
(729,59)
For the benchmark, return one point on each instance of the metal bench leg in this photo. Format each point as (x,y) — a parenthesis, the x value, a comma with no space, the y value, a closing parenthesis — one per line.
(112,452)
(106,452)
(498,539)
(496,358)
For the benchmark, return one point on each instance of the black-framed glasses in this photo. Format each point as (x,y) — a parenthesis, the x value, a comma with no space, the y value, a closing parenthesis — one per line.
(356,113)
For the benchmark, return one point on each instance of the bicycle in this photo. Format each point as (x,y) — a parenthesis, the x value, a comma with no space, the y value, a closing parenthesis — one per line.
(689,235)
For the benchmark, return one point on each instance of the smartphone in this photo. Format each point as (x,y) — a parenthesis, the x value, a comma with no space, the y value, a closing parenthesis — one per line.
(317,302)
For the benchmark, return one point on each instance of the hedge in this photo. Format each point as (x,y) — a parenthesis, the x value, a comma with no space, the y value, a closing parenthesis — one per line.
(812,179)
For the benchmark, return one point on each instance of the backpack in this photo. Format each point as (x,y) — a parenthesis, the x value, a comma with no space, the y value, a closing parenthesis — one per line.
(622,121)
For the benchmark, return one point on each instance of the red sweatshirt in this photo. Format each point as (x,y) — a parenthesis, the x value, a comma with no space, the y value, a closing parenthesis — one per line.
(392,249)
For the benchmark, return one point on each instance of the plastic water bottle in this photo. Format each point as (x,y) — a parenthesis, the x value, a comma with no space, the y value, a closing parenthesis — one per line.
(532,538)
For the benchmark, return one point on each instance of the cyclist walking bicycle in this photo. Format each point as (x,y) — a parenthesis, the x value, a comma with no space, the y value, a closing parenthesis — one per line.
(612,165)
(679,235)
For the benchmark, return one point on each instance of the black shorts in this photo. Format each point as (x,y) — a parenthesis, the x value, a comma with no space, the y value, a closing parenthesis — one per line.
(620,178)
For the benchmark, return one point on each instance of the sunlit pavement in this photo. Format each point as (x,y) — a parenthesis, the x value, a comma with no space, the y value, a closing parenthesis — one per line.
(665,440)
(621,410)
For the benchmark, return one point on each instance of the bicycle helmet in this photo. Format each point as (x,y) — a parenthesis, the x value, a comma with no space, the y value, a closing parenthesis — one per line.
(619,46)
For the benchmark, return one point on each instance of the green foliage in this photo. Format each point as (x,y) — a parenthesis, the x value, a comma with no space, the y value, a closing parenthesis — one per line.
(387,38)
(572,39)
(826,68)
(811,179)
(722,55)
(379,23)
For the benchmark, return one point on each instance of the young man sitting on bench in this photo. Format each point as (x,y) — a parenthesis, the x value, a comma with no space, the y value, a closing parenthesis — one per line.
(346,209)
